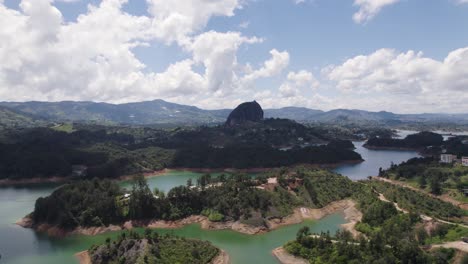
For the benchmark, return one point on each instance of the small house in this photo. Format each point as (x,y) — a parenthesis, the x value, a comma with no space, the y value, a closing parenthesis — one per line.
(465,191)
(270,185)
(447,158)
(465,161)
(294,183)
(79,171)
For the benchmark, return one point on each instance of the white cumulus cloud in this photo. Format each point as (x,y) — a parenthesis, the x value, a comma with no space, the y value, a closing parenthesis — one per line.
(176,20)
(368,9)
(422,83)
(278,62)
(45,57)
(297,81)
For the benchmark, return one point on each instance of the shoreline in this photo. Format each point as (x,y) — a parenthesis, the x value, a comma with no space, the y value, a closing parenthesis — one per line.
(282,256)
(83,257)
(348,207)
(392,148)
(421,151)
(259,170)
(32,181)
(56,179)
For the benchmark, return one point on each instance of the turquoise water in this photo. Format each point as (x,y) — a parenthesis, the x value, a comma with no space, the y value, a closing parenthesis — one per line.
(241,248)
(173,178)
(24,246)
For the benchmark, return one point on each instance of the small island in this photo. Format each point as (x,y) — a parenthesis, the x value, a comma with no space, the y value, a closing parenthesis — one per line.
(151,248)
(419,141)
(238,202)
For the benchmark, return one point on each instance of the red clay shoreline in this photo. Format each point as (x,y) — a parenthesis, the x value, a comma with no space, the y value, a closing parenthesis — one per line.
(347,207)
(56,179)
(14,182)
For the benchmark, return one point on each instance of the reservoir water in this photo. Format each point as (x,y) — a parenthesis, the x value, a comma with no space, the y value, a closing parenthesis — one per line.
(24,246)
(373,160)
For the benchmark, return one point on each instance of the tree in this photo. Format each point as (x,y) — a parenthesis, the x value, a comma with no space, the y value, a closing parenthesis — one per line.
(421,235)
(380,172)
(141,204)
(436,187)
(148,233)
(158,193)
(302,233)
(189,183)
(422,182)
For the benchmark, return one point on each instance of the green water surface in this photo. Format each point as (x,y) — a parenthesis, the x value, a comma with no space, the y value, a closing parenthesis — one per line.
(24,246)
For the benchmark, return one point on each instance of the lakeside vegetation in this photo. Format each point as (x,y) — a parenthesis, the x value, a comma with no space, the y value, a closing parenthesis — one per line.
(85,203)
(418,202)
(110,152)
(388,236)
(431,176)
(228,197)
(235,197)
(151,248)
(342,248)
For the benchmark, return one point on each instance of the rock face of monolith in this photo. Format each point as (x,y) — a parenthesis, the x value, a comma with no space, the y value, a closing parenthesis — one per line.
(244,113)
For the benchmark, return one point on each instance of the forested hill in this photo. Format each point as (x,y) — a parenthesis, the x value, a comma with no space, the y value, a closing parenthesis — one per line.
(116,151)
(11,118)
(162,112)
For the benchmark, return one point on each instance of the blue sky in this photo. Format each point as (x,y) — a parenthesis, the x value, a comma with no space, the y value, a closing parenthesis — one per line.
(405,56)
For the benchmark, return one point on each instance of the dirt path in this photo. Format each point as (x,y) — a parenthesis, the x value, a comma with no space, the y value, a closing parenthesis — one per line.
(444,198)
(459,245)
(382,198)
(423,217)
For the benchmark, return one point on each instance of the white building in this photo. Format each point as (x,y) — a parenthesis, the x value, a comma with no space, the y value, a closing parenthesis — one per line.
(447,158)
(465,161)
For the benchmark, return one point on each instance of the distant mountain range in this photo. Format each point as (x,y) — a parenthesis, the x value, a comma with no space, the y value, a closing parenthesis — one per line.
(162,112)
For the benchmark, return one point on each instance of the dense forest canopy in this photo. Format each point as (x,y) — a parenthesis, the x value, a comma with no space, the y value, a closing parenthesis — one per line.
(227,197)
(387,235)
(432,176)
(110,152)
(98,202)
